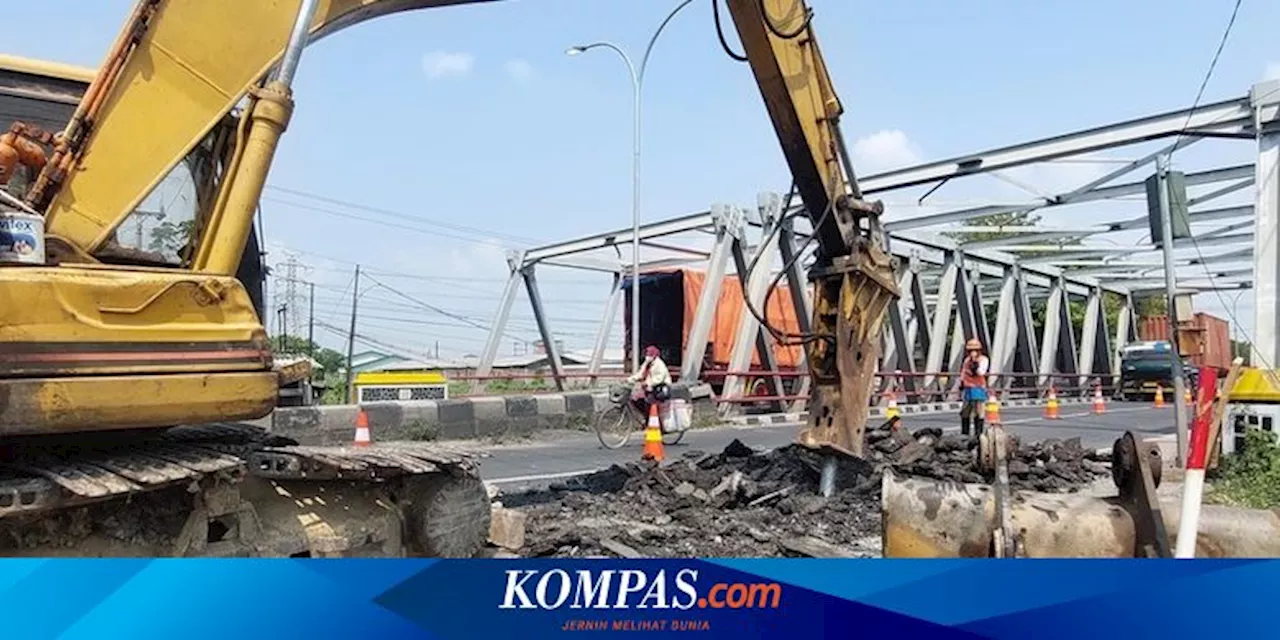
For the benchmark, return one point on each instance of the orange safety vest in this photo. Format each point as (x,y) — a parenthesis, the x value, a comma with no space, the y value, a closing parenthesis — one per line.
(969,379)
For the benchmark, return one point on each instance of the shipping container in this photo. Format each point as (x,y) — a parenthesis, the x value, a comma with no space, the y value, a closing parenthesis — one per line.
(669,302)
(1205,339)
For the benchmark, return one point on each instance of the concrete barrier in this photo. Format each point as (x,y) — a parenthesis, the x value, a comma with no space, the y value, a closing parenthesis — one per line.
(458,419)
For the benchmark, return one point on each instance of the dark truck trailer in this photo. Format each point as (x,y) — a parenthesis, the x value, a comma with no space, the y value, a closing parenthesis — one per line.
(668,304)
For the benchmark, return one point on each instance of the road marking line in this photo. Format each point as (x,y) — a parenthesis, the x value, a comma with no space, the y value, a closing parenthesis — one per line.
(543,476)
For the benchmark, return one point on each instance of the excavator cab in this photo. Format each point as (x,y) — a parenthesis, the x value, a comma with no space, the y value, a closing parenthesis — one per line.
(127,337)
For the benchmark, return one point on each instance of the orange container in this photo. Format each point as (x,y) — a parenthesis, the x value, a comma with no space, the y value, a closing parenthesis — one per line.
(1205,339)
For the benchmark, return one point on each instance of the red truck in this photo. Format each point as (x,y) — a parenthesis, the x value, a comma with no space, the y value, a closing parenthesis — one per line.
(1145,366)
(1204,339)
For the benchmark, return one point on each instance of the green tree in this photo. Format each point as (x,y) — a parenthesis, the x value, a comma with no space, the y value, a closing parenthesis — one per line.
(1155,305)
(169,238)
(1010,219)
(331,362)
(1111,304)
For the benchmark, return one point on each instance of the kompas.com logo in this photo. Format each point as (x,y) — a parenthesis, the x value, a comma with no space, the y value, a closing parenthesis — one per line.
(611,589)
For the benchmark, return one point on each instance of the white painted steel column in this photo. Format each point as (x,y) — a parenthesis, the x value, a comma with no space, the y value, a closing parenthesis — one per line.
(745,340)
(490,354)
(1089,336)
(1265,98)
(728,226)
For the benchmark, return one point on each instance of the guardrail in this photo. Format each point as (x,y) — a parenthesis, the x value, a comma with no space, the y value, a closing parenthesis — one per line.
(942,386)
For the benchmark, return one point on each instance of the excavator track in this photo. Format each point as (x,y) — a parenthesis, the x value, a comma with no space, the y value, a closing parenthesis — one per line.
(246,492)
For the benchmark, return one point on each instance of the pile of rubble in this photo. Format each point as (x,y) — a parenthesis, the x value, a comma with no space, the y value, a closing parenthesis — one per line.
(741,502)
(1048,466)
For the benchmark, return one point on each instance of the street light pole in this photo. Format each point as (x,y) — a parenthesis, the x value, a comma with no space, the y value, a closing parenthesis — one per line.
(637,83)
(1180,408)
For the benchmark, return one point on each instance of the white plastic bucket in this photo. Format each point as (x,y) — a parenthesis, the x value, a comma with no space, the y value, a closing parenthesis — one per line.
(679,416)
(21,238)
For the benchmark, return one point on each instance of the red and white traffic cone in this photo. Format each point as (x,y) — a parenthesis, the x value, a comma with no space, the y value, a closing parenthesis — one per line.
(362,439)
(1099,403)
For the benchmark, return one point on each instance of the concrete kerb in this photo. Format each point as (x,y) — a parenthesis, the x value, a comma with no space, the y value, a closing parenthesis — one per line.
(455,419)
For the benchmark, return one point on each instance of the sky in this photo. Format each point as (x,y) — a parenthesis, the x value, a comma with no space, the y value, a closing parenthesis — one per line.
(425,145)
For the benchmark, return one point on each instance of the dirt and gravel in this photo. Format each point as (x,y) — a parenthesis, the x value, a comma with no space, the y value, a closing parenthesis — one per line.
(743,502)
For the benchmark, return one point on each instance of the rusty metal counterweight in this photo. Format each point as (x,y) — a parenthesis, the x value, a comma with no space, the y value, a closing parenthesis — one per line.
(924,518)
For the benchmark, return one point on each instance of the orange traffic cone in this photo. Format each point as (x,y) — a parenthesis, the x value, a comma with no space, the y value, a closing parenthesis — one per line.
(1051,407)
(1159,396)
(653,436)
(1099,404)
(363,439)
(992,410)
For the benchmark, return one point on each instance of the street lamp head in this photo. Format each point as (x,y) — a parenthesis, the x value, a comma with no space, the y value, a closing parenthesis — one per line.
(573,51)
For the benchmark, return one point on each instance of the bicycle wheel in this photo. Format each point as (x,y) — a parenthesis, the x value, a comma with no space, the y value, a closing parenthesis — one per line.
(614,426)
(672,438)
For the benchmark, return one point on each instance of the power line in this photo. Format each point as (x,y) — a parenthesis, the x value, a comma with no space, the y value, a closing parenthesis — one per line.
(1213,64)
(391,273)
(490,298)
(435,233)
(400,215)
(429,307)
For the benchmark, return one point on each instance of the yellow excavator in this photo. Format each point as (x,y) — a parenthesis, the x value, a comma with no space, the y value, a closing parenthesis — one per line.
(127,370)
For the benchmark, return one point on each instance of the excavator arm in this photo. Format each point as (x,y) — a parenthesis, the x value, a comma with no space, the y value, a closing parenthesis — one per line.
(853,277)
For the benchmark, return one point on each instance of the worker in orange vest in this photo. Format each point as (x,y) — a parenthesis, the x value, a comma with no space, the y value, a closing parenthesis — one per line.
(973,386)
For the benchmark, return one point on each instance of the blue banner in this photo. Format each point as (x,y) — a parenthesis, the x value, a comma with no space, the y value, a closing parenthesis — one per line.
(791,599)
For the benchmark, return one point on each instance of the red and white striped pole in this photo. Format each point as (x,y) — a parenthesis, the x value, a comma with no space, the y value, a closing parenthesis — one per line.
(1197,460)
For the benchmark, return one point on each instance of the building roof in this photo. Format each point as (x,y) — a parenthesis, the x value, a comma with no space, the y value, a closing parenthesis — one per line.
(425,365)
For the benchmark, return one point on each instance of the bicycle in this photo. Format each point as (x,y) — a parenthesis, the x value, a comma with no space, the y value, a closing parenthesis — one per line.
(615,425)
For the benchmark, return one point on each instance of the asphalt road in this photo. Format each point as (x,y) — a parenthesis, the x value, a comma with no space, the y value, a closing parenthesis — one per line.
(517,467)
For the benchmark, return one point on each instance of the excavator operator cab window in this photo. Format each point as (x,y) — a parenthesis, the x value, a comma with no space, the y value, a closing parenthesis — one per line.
(161,231)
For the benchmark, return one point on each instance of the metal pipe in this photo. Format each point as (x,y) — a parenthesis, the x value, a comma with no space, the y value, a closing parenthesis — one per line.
(827,481)
(297,41)
(637,84)
(1171,289)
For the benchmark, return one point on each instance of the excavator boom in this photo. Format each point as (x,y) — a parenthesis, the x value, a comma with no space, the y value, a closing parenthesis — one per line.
(854,280)
(177,69)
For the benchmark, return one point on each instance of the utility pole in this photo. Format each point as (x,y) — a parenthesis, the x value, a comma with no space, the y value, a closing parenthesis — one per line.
(292,295)
(282,323)
(1171,292)
(351,338)
(311,321)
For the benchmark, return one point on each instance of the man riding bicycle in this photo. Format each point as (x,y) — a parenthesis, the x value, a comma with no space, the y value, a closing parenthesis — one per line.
(654,381)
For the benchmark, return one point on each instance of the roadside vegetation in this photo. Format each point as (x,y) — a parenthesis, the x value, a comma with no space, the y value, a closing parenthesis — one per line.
(1251,477)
